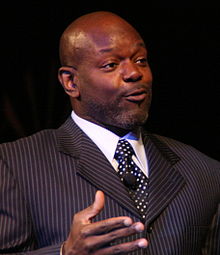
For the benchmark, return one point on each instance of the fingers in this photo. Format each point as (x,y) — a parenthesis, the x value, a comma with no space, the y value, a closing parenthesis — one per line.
(94,242)
(87,237)
(105,226)
(123,248)
(83,225)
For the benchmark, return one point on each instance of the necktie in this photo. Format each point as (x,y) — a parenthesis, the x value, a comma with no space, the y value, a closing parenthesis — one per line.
(132,176)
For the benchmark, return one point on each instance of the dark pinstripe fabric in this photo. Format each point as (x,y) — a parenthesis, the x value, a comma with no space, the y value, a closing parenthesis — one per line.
(49,176)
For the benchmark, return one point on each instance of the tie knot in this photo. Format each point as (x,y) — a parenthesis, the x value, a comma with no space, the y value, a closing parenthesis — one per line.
(123,150)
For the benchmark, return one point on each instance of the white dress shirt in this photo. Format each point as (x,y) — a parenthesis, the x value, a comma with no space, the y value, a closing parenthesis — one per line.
(107,142)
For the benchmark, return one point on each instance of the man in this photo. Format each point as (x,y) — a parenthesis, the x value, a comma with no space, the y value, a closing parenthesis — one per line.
(54,175)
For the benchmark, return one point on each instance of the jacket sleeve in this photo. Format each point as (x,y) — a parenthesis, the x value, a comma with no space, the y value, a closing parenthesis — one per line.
(212,245)
(16,229)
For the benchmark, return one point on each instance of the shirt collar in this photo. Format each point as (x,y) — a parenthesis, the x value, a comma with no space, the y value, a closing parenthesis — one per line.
(104,138)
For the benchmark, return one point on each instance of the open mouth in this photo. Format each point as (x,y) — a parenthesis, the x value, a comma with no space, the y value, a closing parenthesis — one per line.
(136,95)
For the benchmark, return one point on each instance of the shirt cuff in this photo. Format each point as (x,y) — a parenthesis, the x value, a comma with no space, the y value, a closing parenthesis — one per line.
(62,249)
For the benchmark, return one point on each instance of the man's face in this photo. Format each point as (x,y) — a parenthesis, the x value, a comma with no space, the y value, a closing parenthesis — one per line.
(114,81)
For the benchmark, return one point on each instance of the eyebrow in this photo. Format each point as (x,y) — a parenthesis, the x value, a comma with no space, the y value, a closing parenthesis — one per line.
(142,44)
(104,50)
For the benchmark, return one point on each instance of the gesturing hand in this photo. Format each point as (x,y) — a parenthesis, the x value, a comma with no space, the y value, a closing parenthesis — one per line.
(87,237)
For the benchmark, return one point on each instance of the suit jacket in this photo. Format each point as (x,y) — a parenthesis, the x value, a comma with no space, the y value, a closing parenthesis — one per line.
(48,177)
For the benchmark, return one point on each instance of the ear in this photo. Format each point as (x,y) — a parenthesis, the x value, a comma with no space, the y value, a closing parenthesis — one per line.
(67,77)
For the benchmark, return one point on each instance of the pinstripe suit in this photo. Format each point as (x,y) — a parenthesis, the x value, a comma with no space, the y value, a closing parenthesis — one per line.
(49,176)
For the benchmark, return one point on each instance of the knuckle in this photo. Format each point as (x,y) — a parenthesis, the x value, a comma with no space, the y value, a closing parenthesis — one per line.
(86,247)
(104,227)
(112,236)
(83,233)
(117,250)
(130,230)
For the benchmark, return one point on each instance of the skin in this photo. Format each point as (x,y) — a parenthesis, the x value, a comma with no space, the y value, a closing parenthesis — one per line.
(106,74)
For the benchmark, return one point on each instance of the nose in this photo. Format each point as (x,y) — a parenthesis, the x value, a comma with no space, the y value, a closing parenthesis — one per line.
(131,73)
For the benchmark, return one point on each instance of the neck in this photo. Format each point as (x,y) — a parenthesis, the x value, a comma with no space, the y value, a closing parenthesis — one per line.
(122,132)
(117,130)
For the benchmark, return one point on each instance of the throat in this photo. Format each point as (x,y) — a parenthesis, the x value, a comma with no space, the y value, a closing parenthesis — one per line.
(120,131)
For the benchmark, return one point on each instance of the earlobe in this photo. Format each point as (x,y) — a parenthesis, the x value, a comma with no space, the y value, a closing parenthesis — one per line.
(66,76)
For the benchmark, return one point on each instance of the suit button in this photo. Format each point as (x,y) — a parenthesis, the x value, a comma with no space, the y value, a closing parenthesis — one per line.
(149,229)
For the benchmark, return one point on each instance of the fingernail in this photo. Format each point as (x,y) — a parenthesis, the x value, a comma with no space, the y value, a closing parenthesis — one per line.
(142,243)
(139,227)
(127,222)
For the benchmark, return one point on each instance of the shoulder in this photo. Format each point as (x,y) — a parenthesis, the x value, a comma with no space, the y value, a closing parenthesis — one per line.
(41,139)
(187,153)
(35,143)
(195,166)
(44,143)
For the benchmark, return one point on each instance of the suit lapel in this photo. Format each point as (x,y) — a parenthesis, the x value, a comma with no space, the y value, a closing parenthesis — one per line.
(95,168)
(164,180)
(93,165)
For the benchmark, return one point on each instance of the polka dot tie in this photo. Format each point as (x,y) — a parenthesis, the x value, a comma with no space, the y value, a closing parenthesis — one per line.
(132,176)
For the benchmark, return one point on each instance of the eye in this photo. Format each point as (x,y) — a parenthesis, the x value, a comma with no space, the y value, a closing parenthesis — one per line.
(109,66)
(142,61)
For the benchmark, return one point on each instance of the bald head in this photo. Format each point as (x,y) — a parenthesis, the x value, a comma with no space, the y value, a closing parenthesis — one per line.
(96,28)
(105,71)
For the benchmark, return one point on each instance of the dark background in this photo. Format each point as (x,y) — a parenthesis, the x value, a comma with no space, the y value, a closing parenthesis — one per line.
(184,55)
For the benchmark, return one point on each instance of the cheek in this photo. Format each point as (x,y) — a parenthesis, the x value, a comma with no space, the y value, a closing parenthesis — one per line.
(98,88)
(148,75)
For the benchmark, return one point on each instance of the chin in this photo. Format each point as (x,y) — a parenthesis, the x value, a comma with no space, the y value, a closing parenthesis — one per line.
(130,122)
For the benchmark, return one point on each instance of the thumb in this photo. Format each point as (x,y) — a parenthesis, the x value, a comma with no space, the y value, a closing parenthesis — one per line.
(99,202)
(97,206)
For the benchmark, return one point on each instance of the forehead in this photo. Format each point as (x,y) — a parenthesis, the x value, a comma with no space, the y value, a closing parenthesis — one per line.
(108,41)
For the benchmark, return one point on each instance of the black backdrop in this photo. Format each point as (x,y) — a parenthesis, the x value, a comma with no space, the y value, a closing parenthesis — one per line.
(184,54)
